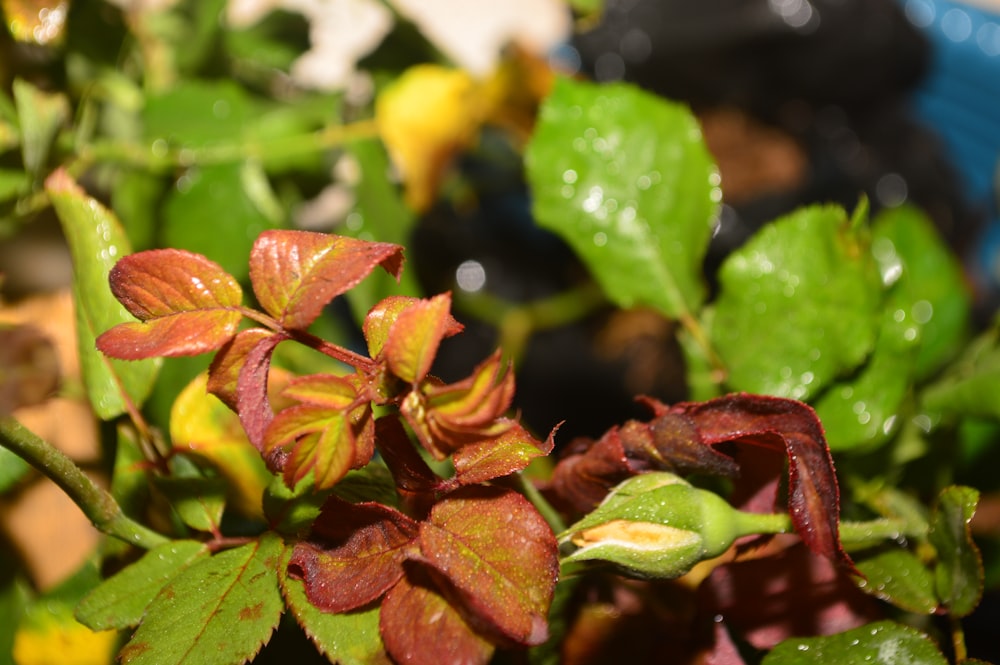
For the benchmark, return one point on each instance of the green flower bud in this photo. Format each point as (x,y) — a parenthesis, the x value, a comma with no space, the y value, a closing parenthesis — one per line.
(655,525)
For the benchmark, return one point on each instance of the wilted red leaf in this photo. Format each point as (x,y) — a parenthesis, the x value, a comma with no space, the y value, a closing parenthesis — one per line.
(413,339)
(354,554)
(187,304)
(295,274)
(499,554)
(492,458)
(790,427)
(320,434)
(420,627)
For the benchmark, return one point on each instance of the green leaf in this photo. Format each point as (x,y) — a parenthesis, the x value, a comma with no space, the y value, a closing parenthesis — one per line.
(96,242)
(211,212)
(12,469)
(798,305)
(199,502)
(880,643)
(969,386)
(625,177)
(219,611)
(195,113)
(898,577)
(940,298)
(13,184)
(348,638)
(40,115)
(121,600)
(297,273)
(958,575)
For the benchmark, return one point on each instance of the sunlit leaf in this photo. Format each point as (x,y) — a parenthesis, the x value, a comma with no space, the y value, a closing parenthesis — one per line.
(122,599)
(348,638)
(958,575)
(881,643)
(499,554)
(48,633)
(186,305)
(224,372)
(97,241)
(414,609)
(416,333)
(252,403)
(202,425)
(625,177)
(798,305)
(380,319)
(354,554)
(897,576)
(511,451)
(220,610)
(295,274)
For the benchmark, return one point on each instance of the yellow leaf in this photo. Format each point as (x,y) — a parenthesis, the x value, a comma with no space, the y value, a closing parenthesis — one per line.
(202,425)
(425,117)
(54,637)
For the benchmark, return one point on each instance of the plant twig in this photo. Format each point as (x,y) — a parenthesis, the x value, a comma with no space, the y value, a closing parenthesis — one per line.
(99,506)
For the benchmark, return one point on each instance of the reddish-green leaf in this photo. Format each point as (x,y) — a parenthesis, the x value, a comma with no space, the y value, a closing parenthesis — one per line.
(354,554)
(413,611)
(788,427)
(252,404)
(413,340)
(958,576)
(492,458)
(347,638)
(383,315)
(219,611)
(296,273)
(224,372)
(499,554)
(187,304)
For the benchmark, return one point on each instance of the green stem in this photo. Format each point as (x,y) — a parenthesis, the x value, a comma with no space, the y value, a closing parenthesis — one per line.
(545,509)
(99,506)
(851,533)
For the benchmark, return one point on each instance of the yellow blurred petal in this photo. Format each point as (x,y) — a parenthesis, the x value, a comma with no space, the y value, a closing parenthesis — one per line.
(58,639)
(425,117)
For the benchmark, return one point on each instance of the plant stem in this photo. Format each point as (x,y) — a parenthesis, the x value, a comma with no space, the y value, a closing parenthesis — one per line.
(545,509)
(99,506)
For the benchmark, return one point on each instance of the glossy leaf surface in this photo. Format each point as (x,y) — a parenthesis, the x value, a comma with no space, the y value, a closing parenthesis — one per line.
(412,342)
(507,582)
(898,577)
(186,305)
(511,451)
(220,610)
(96,242)
(296,273)
(958,576)
(881,643)
(625,178)
(798,305)
(121,600)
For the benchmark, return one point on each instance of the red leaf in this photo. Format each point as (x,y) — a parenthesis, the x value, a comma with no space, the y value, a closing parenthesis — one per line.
(415,481)
(187,304)
(492,458)
(790,427)
(354,554)
(224,372)
(252,404)
(412,342)
(589,470)
(320,435)
(383,315)
(420,627)
(499,554)
(295,274)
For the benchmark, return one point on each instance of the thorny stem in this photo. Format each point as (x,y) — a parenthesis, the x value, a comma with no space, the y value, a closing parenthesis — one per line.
(99,506)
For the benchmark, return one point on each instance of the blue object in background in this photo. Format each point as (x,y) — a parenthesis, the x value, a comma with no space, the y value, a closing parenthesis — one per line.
(960,99)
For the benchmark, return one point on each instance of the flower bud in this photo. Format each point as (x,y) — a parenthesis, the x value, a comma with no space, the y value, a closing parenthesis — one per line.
(655,525)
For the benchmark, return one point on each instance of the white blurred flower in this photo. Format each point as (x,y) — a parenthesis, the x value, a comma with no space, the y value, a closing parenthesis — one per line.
(474,32)
(341,32)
